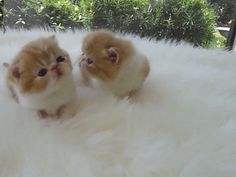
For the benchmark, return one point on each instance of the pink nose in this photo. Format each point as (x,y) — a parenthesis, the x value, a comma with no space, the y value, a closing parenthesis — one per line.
(54,66)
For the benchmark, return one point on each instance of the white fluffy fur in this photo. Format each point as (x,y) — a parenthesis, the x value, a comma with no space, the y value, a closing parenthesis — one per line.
(57,93)
(183,123)
(130,77)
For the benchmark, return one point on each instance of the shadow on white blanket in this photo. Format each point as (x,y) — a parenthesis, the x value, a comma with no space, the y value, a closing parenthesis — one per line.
(183,124)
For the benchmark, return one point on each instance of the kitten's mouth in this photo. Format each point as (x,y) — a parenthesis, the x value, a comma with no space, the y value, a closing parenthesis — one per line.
(57,71)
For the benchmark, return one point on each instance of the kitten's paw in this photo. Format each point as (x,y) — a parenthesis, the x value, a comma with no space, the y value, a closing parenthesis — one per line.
(131,93)
(60,111)
(42,114)
(131,96)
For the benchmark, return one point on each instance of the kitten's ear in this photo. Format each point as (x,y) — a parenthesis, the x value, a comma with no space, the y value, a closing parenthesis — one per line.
(53,38)
(6,65)
(113,54)
(15,72)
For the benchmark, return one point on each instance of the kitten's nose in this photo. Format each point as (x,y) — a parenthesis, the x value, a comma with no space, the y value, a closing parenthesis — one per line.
(83,59)
(54,66)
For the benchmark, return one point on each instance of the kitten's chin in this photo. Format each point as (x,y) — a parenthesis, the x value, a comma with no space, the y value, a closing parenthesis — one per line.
(56,78)
(57,74)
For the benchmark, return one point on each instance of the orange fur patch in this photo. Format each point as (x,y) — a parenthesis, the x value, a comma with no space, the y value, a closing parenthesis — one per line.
(95,46)
(146,68)
(34,56)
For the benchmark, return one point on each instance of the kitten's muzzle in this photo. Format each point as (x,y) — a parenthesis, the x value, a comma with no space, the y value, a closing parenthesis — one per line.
(55,68)
(80,62)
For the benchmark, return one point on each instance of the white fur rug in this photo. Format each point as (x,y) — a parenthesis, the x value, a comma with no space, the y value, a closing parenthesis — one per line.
(183,123)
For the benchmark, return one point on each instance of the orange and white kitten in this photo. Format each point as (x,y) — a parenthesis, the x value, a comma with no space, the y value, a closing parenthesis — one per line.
(40,78)
(114,62)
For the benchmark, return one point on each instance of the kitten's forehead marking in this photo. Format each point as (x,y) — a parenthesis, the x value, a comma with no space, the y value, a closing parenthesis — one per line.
(51,57)
(42,62)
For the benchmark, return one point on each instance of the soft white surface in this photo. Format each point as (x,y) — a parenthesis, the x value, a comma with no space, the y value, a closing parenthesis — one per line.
(183,123)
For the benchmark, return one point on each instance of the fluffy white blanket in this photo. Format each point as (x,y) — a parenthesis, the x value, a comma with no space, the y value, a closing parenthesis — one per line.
(182,124)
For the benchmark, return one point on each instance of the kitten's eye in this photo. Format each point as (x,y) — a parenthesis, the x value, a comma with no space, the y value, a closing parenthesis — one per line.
(42,72)
(60,59)
(89,61)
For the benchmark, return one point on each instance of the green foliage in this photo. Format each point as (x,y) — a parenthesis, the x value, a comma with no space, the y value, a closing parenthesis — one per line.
(16,13)
(191,20)
(224,9)
(62,14)
(218,41)
(1,12)
(122,15)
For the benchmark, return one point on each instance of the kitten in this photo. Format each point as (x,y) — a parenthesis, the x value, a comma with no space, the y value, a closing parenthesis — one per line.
(114,62)
(40,78)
